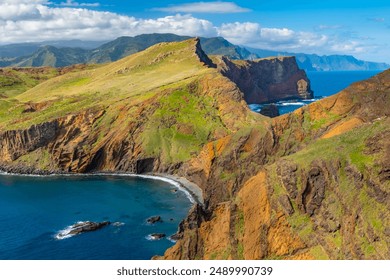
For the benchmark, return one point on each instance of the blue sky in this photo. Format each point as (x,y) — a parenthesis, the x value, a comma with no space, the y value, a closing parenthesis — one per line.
(359,28)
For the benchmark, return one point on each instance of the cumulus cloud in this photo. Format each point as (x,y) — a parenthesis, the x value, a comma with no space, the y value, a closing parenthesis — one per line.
(34,20)
(39,20)
(20,9)
(253,35)
(72,3)
(217,7)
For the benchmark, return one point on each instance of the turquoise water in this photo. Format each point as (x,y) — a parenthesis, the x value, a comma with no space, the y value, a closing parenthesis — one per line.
(34,209)
(323,84)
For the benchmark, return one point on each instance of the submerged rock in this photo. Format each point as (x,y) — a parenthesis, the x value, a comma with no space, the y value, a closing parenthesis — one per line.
(154,219)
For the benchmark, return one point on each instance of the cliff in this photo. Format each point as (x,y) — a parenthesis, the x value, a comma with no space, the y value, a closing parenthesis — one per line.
(312,184)
(267,80)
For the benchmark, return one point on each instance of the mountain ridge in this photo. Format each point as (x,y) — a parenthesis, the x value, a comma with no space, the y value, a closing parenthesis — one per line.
(124,46)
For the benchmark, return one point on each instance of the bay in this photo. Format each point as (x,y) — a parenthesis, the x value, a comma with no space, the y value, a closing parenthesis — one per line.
(33,210)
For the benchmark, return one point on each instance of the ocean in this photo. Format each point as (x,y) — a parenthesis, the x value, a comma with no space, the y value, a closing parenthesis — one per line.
(323,84)
(35,210)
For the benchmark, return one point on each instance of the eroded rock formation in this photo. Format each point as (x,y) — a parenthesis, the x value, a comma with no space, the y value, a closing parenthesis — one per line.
(267,80)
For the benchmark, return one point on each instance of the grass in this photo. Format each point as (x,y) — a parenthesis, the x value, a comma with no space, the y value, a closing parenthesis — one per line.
(277,186)
(349,146)
(181,125)
(128,81)
(40,159)
(301,224)
(14,82)
(239,226)
(318,253)
(240,251)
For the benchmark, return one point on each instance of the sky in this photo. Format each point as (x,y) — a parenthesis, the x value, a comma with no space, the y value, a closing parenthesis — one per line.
(358,28)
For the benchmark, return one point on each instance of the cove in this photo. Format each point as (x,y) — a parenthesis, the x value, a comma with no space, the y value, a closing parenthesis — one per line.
(34,209)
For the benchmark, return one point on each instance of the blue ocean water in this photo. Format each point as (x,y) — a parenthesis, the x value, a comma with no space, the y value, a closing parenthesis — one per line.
(323,84)
(34,209)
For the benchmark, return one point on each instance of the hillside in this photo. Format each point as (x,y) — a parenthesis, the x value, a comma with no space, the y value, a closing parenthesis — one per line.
(313,184)
(157,104)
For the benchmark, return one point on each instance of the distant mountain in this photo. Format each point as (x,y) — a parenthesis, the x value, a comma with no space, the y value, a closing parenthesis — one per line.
(52,56)
(125,46)
(64,53)
(117,49)
(24,49)
(313,62)
(220,46)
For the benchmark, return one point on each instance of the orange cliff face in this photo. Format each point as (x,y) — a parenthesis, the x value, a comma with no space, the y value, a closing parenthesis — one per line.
(313,185)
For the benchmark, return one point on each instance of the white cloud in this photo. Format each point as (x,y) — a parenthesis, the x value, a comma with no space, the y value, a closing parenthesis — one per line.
(72,3)
(19,9)
(38,20)
(253,35)
(217,7)
(328,27)
(32,20)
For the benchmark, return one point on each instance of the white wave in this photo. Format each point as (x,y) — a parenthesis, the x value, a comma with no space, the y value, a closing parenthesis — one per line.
(27,175)
(255,107)
(292,104)
(65,233)
(172,240)
(151,238)
(118,224)
(172,182)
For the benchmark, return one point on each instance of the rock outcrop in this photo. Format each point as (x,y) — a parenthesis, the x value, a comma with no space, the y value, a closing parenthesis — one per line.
(270,110)
(154,219)
(81,227)
(267,80)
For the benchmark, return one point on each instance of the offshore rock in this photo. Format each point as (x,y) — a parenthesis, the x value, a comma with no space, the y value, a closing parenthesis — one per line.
(81,227)
(156,236)
(154,219)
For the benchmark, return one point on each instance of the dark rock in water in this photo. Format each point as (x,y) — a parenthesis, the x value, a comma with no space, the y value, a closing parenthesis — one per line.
(175,237)
(271,111)
(154,219)
(87,226)
(81,227)
(157,236)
